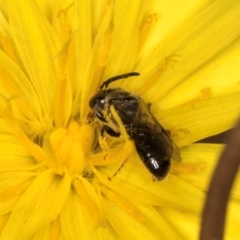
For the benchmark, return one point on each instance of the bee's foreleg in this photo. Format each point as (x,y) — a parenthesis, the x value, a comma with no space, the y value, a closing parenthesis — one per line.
(129,146)
(103,142)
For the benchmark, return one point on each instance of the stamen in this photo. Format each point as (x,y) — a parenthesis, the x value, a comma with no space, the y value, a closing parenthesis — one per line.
(147,29)
(56,137)
(106,47)
(187,168)
(61,82)
(85,134)
(70,146)
(66,27)
(104,52)
(204,95)
(151,81)
(180,133)
(60,89)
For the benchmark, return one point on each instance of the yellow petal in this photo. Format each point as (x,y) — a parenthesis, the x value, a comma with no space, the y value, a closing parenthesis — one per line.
(40,204)
(13,184)
(10,148)
(232,219)
(118,220)
(43,233)
(125,35)
(167,24)
(208,155)
(97,62)
(190,123)
(77,223)
(37,46)
(134,177)
(45,7)
(185,223)
(216,78)
(157,220)
(17,85)
(200,39)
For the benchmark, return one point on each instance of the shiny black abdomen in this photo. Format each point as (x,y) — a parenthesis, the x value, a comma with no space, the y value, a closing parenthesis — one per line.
(152,152)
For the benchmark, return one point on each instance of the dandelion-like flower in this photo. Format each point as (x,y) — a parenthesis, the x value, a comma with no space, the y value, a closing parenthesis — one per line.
(54,55)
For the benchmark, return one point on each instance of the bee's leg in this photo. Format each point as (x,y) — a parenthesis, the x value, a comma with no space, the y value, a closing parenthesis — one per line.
(124,156)
(118,170)
(154,178)
(102,138)
(103,142)
(129,146)
(149,106)
(168,132)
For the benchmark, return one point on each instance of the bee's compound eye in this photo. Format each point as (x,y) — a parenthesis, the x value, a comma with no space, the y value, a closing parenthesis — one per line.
(95,100)
(98,99)
(92,102)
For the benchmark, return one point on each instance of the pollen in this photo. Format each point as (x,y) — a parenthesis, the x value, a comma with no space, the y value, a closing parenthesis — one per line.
(70,147)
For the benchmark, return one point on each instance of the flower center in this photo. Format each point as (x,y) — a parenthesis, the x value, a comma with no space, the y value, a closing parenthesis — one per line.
(70,147)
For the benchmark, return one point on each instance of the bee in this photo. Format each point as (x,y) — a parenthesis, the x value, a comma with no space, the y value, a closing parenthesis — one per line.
(152,142)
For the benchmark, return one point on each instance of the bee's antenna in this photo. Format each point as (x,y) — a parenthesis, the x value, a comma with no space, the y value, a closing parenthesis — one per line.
(112,79)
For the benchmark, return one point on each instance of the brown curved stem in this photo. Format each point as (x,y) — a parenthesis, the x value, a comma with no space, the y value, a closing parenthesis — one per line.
(214,212)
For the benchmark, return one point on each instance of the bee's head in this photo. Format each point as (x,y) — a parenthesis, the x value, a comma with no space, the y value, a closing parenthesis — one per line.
(98,101)
(98,104)
(105,97)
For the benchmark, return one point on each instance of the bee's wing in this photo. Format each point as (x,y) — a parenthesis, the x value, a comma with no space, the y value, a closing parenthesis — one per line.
(145,118)
(175,154)
(136,112)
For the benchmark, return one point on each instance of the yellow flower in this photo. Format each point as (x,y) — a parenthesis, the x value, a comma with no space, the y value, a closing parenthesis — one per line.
(53,57)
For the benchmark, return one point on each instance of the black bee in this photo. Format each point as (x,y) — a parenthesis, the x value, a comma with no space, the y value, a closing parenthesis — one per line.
(152,141)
